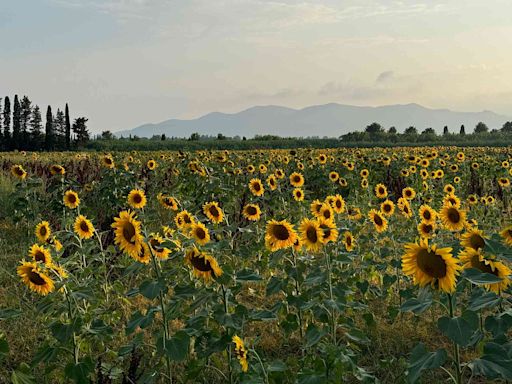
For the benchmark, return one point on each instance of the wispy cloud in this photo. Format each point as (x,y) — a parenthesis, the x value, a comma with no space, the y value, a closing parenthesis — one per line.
(384,77)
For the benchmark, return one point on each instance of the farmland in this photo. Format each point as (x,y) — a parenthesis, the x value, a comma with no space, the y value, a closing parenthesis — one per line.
(260,266)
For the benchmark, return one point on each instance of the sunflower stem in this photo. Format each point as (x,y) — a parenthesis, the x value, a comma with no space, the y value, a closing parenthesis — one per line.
(297,291)
(331,296)
(70,315)
(225,300)
(265,374)
(456,351)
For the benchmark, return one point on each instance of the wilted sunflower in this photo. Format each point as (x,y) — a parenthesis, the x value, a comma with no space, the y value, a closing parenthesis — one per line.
(137,198)
(35,279)
(311,235)
(83,227)
(18,171)
(348,241)
(241,353)
(200,233)
(453,218)
(430,265)
(43,231)
(426,230)
(71,199)
(279,235)
(203,264)
(184,220)
(127,233)
(40,254)
(381,191)
(473,238)
(506,234)
(378,220)
(329,231)
(427,214)
(409,193)
(256,187)
(296,179)
(472,258)
(298,194)
(252,212)
(213,212)
(387,207)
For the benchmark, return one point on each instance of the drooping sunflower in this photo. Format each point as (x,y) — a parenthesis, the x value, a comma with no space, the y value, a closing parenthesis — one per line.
(296,179)
(298,194)
(155,242)
(241,353)
(168,202)
(430,265)
(128,234)
(381,191)
(213,212)
(137,198)
(204,265)
(387,207)
(329,231)
(472,258)
(426,230)
(378,220)
(252,212)
(473,238)
(184,220)
(43,231)
(83,227)
(256,187)
(427,214)
(506,234)
(279,235)
(311,235)
(200,233)
(71,199)
(35,279)
(40,254)
(453,218)
(18,171)
(348,241)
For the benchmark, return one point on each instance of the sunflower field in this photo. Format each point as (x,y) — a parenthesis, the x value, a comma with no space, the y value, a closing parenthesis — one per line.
(381,265)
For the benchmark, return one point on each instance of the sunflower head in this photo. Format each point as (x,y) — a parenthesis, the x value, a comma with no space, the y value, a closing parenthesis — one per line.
(128,233)
(311,235)
(296,179)
(18,171)
(298,194)
(387,207)
(473,238)
(213,212)
(200,233)
(203,264)
(83,227)
(279,235)
(40,254)
(137,198)
(35,278)
(348,241)
(71,199)
(476,259)
(453,218)
(43,231)
(379,221)
(256,187)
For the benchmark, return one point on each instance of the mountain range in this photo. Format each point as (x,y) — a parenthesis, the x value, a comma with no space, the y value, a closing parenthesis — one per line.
(330,120)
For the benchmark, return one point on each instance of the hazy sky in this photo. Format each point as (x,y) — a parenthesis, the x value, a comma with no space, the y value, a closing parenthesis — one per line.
(127,62)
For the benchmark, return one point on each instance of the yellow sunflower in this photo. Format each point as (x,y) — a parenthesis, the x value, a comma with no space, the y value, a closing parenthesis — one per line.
(204,265)
(252,212)
(256,187)
(152,164)
(137,198)
(279,235)
(506,234)
(71,199)
(451,200)
(184,220)
(200,233)
(348,241)
(409,193)
(155,241)
(241,353)
(378,220)
(83,227)
(338,204)
(453,218)
(426,230)
(473,238)
(326,212)
(57,170)
(298,194)
(43,231)
(311,235)
(18,171)
(296,179)
(427,214)
(168,202)
(272,182)
(213,212)
(329,231)
(40,254)
(387,207)
(128,234)
(354,213)
(35,279)
(430,265)
(472,258)
(381,191)
(108,161)
(315,207)
(404,207)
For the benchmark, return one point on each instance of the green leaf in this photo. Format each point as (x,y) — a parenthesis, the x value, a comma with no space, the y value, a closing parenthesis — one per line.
(151,289)
(9,313)
(262,315)
(456,329)
(44,354)
(418,305)
(421,360)
(481,299)
(247,275)
(79,373)
(313,335)
(498,325)
(274,285)
(477,277)
(4,346)
(20,377)
(276,366)
(177,346)
(495,363)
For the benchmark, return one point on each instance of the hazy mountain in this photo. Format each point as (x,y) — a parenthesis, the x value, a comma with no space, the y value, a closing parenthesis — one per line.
(330,120)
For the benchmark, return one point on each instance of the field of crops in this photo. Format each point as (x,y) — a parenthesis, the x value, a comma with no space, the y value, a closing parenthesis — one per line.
(275,266)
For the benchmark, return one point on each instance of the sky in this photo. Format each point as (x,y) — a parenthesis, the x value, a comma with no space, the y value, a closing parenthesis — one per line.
(123,63)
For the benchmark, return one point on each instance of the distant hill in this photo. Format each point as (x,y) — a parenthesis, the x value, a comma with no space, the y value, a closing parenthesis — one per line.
(330,120)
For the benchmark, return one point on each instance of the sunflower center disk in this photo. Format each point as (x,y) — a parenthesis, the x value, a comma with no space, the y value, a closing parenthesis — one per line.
(432,264)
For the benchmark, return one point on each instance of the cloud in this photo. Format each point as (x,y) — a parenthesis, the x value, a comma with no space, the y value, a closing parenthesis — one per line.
(384,77)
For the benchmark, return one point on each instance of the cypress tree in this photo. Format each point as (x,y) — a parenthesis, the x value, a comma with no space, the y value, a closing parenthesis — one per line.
(59,129)
(68,127)
(445,130)
(35,129)
(7,122)
(462,130)
(80,131)
(16,124)
(26,111)
(49,139)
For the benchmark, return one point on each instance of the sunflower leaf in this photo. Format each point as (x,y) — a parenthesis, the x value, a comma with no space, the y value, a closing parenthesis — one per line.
(421,360)
(495,363)
(478,277)
(481,299)
(456,329)
(247,275)
(151,289)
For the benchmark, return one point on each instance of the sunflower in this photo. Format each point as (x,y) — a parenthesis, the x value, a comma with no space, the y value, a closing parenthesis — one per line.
(252,212)
(474,239)
(256,187)
(203,264)
(326,212)
(504,182)
(453,218)
(427,214)
(279,235)
(378,220)
(71,199)
(364,183)
(43,231)
(315,207)
(241,352)
(381,191)
(472,200)
(348,241)
(200,233)
(184,220)
(387,207)
(506,234)
(279,173)
(35,279)
(426,230)
(298,194)
(213,212)
(57,170)
(168,202)
(83,227)
(334,176)
(328,227)
(18,171)
(40,254)
(338,204)
(137,198)
(296,179)
(472,258)
(409,193)
(127,233)
(311,235)
(364,173)
(272,182)
(354,213)
(155,242)
(430,265)
(152,164)
(55,242)
(404,207)
(451,200)
(144,255)
(108,161)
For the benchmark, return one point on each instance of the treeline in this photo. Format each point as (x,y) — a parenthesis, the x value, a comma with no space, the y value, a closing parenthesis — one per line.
(481,135)
(21,127)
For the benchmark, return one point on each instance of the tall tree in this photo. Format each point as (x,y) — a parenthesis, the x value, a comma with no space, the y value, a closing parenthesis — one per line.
(80,131)
(49,139)
(36,129)
(68,128)
(1,132)
(16,123)
(462,130)
(411,131)
(25,113)
(7,122)
(445,130)
(507,127)
(481,128)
